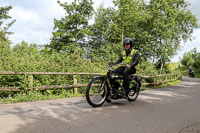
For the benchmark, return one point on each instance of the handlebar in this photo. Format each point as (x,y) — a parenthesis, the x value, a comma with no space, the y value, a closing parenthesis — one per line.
(117,64)
(111,65)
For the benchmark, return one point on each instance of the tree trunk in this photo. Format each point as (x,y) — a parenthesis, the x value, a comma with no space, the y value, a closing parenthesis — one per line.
(153,60)
(161,67)
(122,33)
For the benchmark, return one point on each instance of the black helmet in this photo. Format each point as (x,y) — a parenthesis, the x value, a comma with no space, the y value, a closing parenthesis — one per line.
(128,40)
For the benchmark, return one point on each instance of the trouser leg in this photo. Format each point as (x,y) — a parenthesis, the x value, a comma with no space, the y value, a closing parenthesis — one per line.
(120,70)
(127,72)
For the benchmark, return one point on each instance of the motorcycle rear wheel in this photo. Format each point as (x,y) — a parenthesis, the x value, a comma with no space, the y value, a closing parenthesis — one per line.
(134,91)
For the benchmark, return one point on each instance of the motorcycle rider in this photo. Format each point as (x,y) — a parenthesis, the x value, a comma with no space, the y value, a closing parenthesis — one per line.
(130,57)
(191,72)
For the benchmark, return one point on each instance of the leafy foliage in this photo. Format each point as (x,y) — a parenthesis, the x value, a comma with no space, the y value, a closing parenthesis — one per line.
(4,29)
(191,58)
(72,30)
(156,27)
(100,29)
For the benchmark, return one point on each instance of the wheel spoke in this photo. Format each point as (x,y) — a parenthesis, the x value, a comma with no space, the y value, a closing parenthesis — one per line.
(134,91)
(96,92)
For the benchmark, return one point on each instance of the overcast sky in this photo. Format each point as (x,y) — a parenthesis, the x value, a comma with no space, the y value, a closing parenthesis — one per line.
(35,21)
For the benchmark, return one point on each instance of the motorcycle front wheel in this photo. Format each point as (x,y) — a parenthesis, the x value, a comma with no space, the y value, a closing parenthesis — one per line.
(96,92)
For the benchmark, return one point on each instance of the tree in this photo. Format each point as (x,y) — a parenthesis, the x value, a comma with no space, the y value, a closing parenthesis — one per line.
(4,41)
(191,58)
(157,27)
(187,59)
(170,22)
(100,28)
(4,16)
(71,31)
(129,15)
(127,19)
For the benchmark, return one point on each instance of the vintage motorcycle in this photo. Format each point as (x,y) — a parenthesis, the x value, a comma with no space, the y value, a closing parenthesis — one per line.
(110,86)
(191,73)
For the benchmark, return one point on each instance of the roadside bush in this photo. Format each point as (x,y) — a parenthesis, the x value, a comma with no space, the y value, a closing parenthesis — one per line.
(146,68)
(28,58)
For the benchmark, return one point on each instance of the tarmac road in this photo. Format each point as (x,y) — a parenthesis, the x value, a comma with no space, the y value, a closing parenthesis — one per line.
(166,110)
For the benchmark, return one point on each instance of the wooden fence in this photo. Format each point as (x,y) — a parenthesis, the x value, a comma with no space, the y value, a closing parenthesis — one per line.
(155,80)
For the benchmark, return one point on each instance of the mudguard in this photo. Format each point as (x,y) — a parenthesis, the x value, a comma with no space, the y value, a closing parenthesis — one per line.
(136,78)
(98,77)
(139,80)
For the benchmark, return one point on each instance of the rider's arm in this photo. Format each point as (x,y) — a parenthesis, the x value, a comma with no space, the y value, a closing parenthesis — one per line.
(119,60)
(135,59)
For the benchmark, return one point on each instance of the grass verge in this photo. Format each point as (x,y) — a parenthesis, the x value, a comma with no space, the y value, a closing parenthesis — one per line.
(173,83)
(36,95)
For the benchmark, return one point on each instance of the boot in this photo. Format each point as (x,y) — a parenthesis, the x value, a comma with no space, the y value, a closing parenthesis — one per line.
(126,89)
(108,100)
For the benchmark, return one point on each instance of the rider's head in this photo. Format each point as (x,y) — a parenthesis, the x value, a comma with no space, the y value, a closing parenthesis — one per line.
(127,43)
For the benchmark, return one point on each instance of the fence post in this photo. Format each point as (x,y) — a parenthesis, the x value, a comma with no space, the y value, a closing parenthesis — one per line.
(154,81)
(75,82)
(30,78)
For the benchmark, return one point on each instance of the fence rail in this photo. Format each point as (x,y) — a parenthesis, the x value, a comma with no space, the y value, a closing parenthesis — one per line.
(155,80)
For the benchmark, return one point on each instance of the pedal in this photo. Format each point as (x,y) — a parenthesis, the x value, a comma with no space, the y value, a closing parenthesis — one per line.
(123,96)
(114,97)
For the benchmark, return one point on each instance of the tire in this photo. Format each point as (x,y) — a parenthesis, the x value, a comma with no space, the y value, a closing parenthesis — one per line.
(96,92)
(191,75)
(134,90)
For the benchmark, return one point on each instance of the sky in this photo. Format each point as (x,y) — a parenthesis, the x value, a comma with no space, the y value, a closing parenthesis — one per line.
(35,21)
